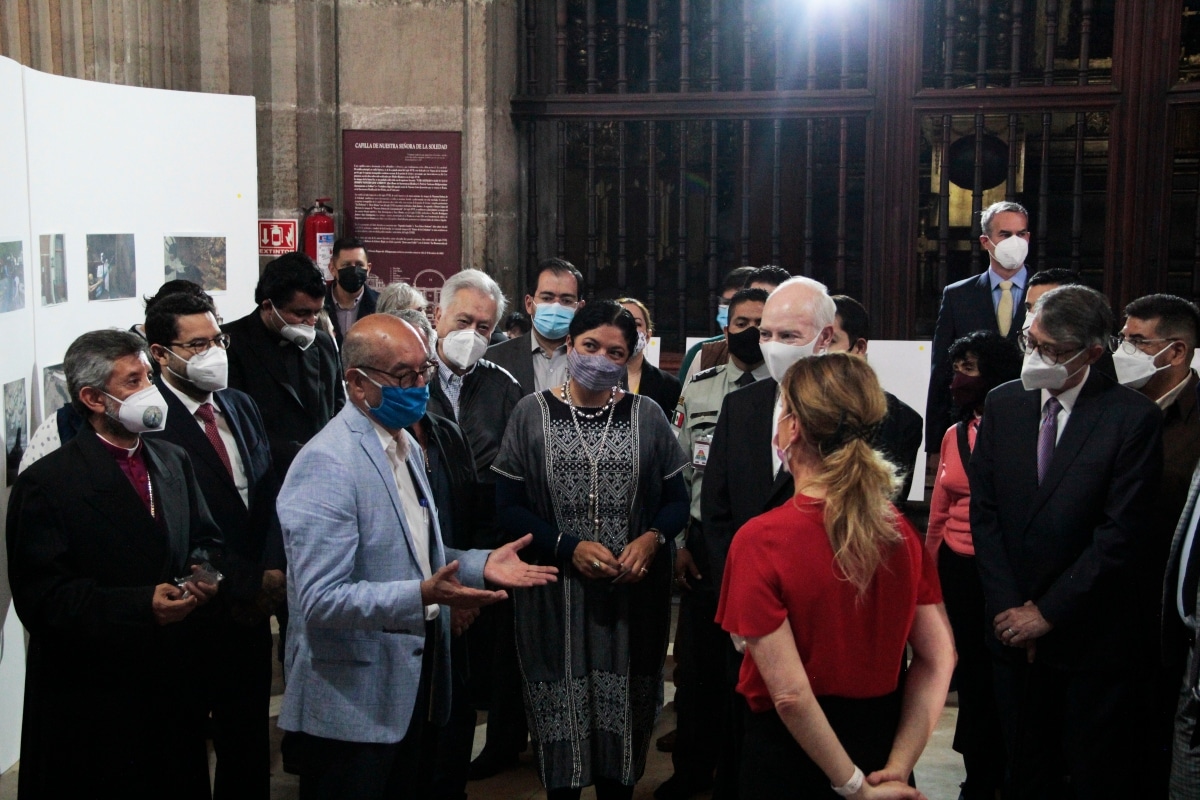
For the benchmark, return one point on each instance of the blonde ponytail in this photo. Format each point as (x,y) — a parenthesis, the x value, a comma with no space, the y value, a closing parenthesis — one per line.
(837,400)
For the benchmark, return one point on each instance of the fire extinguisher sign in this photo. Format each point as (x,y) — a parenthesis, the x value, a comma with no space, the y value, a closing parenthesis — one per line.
(278,236)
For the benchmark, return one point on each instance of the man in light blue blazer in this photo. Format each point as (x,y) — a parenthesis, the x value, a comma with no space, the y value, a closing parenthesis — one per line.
(368,652)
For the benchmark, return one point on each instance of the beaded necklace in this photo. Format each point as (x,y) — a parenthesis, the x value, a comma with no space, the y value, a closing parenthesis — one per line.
(593,459)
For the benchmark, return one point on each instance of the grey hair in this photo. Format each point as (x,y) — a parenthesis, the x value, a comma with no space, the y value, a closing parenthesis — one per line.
(398,296)
(1077,314)
(821,307)
(420,321)
(90,359)
(986,216)
(481,282)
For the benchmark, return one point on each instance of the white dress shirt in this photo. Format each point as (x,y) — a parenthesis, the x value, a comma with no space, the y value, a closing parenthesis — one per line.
(227,438)
(417,509)
(1067,399)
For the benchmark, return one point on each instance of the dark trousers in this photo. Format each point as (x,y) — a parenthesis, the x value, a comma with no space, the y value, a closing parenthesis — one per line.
(337,770)
(775,766)
(978,736)
(507,731)
(237,693)
(1185,757)
(1075,723)
(701,701)
(727,784)
(453,741)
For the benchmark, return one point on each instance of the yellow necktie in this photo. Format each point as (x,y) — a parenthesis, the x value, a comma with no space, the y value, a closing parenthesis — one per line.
(1004,309)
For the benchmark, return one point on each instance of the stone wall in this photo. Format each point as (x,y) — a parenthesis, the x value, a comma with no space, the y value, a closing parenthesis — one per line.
(315,67)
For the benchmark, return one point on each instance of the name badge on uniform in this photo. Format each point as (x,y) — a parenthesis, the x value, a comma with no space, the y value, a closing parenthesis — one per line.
(700,451)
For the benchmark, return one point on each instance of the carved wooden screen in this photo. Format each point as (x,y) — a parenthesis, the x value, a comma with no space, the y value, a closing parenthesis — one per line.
(669,141)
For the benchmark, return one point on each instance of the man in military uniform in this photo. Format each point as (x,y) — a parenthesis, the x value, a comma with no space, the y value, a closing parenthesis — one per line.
(699,642)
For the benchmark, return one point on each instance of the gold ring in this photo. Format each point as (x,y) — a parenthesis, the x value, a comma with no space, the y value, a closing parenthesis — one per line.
(595,565)
(643,570)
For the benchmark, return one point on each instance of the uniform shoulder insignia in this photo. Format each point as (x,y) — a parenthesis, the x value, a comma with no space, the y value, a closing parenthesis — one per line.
(711,372)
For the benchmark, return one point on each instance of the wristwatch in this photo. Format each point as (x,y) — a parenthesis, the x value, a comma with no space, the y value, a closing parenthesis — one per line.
(658,536)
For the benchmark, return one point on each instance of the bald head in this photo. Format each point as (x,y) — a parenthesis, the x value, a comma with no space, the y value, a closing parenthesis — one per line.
(380,341)
(798,312)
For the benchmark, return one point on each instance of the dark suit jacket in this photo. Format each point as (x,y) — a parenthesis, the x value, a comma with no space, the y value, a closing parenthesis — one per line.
(488,397)
(292,414)
(253,541)
(1075,544)
(899,439)
(660,387)
(454,483)
(738,481)
(1177,500)
(366,306)
(84,556)
(516,356)
(966,307)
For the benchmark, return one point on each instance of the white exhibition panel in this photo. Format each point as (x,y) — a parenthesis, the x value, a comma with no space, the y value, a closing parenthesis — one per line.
(652,353)
(88,158)
(903,370)
(16,331)
(108,159)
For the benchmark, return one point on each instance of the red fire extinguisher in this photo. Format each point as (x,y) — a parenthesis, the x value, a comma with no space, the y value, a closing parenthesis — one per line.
(319,233)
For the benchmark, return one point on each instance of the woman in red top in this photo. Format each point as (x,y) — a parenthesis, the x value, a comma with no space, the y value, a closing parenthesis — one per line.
(825,591)
(982,361)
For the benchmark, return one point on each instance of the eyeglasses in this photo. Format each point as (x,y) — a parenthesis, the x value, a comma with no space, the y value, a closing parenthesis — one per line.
(566,300)
(1049,353)
(408,379)
(197,346)
(1132,344)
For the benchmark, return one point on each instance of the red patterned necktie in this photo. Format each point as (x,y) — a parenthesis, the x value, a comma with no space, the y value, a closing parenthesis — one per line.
(205,413)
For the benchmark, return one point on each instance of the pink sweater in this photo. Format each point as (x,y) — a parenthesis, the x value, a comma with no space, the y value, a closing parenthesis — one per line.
(950,507)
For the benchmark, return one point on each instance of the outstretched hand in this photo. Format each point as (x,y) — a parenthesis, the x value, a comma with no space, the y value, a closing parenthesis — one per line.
(505,568)
(443,588)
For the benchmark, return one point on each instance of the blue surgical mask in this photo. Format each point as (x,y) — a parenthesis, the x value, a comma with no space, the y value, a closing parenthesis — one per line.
(553,320)
(398,407)
(722,315)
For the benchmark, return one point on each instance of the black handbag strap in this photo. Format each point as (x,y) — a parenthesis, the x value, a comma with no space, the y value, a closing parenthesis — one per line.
(964,443)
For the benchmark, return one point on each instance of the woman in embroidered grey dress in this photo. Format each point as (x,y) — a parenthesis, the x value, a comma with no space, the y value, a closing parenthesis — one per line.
(595,474)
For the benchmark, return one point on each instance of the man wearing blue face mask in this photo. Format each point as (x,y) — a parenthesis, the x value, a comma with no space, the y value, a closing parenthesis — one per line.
(538,360)
(1063,477)
(734,282)
(368,655)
